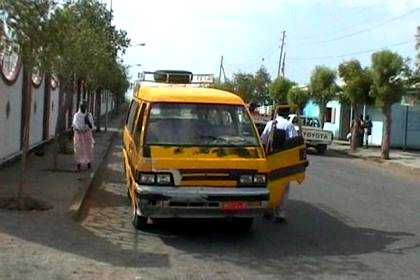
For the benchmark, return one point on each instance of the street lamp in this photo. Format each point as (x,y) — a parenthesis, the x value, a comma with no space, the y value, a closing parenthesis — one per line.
(138,45)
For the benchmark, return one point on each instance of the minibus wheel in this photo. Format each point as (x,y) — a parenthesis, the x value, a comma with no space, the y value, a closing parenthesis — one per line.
(243,224)
(321,149)
(129,186)
(139,222)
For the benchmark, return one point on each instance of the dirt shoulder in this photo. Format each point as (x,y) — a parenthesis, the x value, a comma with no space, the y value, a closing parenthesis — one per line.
(401,161)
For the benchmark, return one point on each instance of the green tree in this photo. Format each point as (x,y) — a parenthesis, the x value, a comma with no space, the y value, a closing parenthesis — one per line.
(357,83)
(297,98)
(84,49)
(244,86)
(279,89)
(226,85)
(262,81)
(388,71)
(75,41)
(323,88)
(26,21)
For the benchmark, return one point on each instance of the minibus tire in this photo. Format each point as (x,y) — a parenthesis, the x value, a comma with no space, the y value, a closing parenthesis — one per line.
(139,222)
(243,224)
(321,149)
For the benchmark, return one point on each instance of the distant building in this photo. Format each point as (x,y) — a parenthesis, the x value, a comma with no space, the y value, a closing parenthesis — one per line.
(405,127)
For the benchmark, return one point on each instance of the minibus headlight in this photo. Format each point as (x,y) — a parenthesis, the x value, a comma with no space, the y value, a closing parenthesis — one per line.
(164,179)
(245,179)
(252,180)
(147,178)
(259,179)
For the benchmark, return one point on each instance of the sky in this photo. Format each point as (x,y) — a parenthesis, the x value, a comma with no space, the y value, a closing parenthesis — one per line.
(193,34)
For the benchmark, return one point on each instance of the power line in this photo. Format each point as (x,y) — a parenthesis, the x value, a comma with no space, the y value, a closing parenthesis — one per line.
(348,54)
(264,56)
(339,30)
(256,59)
(375,26)
(267,54)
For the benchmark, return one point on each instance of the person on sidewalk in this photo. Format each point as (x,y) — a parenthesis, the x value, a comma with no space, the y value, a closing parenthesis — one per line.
(281,123)
(83,138)
(368,130)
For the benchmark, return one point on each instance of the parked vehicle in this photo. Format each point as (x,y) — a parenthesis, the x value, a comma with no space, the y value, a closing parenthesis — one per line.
(195,153)
(312,132)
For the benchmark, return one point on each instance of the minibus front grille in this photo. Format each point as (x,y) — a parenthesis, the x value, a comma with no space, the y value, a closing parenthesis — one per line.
(213,174)
(194,204)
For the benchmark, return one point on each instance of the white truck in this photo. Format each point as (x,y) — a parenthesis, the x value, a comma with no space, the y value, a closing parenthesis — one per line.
(312,132)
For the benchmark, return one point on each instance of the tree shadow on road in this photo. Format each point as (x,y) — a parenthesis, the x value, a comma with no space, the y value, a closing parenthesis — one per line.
(315,241)
(333,154)
(61,233)
(101,240)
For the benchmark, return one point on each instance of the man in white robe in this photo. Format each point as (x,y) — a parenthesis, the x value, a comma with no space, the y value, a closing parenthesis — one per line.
(290,132)
(83,138)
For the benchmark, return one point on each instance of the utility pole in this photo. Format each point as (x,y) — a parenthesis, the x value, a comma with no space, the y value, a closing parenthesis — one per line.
(220,69)
(283,63)
(224,74)
(281,52)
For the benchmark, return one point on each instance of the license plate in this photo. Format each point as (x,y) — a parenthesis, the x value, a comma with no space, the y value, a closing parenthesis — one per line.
(233,206)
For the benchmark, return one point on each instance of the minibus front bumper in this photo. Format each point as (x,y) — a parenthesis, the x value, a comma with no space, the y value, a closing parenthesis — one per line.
(201,202)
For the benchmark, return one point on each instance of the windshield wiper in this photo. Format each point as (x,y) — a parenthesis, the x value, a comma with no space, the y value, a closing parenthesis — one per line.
(212,138)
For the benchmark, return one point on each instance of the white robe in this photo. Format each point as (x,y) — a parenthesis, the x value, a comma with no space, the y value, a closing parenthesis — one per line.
(83,139)
(79,123)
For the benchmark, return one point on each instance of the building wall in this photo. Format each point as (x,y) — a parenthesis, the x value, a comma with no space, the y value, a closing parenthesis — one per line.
(312,110)
(413,127)
(11,115)
(37,114)
(377,125)
(405,127)
(334,124)
(103,103)
(53,112)
(10,129)
(75,105)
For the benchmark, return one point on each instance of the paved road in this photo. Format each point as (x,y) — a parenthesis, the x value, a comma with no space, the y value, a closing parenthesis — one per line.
(350,220)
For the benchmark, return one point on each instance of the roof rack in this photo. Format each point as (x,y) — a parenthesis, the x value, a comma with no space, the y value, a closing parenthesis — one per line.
(176,77)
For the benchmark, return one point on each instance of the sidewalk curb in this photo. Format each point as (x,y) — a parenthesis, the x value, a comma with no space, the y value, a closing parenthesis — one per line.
(344,152)
(80,202)
(415,170)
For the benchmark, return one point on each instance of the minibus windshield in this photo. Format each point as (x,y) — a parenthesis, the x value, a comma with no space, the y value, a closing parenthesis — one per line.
(181,124)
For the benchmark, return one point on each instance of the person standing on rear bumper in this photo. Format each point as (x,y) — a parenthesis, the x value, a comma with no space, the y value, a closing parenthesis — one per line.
(281,123)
